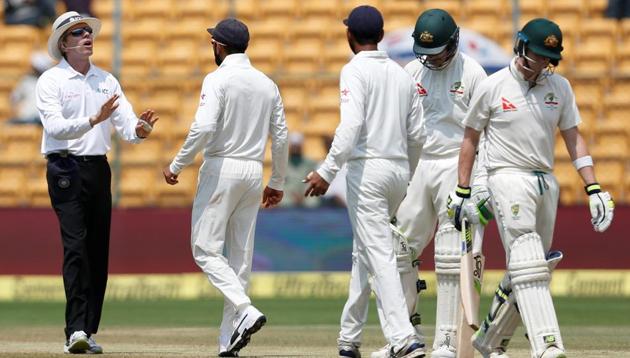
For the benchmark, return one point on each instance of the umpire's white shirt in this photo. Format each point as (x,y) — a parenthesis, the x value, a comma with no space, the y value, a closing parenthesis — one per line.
(520,120)
(445,96)
(381,113)
(66,99)
(239,106)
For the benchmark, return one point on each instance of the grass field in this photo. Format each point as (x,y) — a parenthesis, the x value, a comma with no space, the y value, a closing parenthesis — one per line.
(591,327)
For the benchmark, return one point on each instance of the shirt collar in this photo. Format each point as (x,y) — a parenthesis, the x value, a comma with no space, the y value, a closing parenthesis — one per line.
(372,54)
(71,72)
(518,75)
(236,59)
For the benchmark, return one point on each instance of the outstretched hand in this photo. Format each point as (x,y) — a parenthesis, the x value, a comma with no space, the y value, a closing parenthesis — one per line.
(271,197)
(145,124)
(106,110)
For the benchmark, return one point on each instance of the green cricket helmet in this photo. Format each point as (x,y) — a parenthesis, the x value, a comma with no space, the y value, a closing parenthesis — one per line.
(435,32)
(543,37)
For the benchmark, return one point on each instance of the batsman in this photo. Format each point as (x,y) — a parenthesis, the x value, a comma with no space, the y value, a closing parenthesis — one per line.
(446,80)
(519,109)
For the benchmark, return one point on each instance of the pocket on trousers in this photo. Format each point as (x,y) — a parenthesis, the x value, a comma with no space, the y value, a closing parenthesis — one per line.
(64,181)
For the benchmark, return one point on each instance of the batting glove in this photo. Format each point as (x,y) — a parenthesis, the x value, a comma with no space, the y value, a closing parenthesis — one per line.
(602,207)
(459,205)
(481,197)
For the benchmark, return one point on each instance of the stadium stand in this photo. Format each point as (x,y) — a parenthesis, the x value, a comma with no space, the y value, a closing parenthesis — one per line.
(302,45)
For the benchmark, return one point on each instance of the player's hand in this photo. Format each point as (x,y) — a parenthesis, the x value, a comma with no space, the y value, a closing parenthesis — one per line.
(460,205)
(481,198)
(106,110)
(602,207)
(145,123)
(316,184)
(169,176)
(271,197)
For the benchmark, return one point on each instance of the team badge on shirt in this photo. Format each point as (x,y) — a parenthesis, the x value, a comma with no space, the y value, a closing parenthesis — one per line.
(507,105)
(345,95)
(551,101)
(457,89)
(202,100)
(515,208)
(421,90)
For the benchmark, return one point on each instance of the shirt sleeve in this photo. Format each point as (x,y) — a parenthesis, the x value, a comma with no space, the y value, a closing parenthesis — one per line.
(50,111)
(203,127)
(415,120)
(123,118)
(279,144)
(352,113)
(570,116)
(479,110)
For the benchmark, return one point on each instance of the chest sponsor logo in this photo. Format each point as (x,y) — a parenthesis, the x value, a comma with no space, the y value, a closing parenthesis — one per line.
(457,89)
(202,100)
(103,91)
(345,95)
(551,101)
(515,208)
(507,105)
(70,96)
(421,90)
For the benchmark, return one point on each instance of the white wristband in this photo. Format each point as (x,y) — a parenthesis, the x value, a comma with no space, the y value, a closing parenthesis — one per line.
(586,161)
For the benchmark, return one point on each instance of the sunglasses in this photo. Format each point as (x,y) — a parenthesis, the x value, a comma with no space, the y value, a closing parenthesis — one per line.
(79,31)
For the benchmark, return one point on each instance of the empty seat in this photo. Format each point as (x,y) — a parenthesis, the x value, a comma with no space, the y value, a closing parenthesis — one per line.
(12,188)
(327,9)
(568,180)
(137,185)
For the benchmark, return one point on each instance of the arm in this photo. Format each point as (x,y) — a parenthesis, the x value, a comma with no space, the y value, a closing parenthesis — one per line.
(201,131)
(273,193)
(414,133)
(576,146)
(467,156)
(50,111)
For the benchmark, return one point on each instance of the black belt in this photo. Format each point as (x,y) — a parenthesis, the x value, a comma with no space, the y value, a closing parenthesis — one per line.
(81,158)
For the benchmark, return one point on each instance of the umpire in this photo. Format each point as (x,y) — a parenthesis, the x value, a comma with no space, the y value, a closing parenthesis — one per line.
(79,104)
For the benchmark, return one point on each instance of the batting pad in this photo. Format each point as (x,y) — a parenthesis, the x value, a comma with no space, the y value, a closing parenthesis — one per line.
(447,268)
(530,281)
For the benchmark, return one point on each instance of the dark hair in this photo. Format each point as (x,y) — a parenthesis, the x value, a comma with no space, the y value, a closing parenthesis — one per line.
(231,49)
(367,40)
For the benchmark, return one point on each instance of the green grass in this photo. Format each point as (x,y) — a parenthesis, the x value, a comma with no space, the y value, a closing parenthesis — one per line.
(571,311)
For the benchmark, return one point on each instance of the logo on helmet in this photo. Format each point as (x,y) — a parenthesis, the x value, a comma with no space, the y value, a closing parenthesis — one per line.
(551,41)
(426,37)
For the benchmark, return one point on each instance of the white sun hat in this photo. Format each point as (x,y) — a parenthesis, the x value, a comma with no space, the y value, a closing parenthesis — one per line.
(63,23)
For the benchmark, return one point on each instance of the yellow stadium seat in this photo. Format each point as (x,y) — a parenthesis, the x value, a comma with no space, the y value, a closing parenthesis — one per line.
(137,185)
(143,29)
(326,9)
(595,8)
(196,10)
(311,28)
(485,26)
(12,188)
(348,5)
(103,55)
(610,174)
(151,9)
(138,59)
(453,7)
(600,31)
(486,9)
(566,8)
(149,153)
(314,147)
(278,10)
(616,106)
(19,152)
(177,60)
(15,35)
(336,56)
(592,61)
(304,57)
(14,61)
(568,180)
(621,70)
(626,190)
(531,9)
(247,10)
(266,54)
(402,10)
(103,9)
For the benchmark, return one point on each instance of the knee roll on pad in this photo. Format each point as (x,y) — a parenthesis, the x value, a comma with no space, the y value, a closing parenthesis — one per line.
(527,260)
(447,252)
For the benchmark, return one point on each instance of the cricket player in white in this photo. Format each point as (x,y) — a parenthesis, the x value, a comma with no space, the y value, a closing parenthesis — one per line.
(519,108)
(239,108)
(380,119)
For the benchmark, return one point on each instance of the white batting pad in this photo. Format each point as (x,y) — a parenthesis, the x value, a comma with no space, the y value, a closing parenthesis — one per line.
(530,281)
(447,267)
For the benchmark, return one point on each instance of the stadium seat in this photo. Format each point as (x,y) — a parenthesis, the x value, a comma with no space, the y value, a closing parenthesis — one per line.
(304,57)
(348,5)
(137,185)
(568,180)
(566,8)
(314,146)
(266,54)
(278,10)
(335,57)
(616,106)
(149,153)
(103,9)
(320,9)
(246,10)
(402,10)
(12,188)
(592,60)
(610,174)
(531,9)
(595,8)
(611,140)
(151,9)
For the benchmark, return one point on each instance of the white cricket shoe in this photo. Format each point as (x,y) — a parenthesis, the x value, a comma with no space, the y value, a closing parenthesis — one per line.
(382,353)
(553,352)
(94,348)
(498,354)
(349,350)
(249,321)
(77,343)
(411,350)
(444,351)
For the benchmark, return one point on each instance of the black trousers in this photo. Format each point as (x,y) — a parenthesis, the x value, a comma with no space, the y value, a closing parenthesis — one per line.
(80,193)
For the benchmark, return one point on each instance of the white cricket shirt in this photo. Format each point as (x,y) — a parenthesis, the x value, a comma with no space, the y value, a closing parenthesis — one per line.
(381,113)
(239,107)
(66,99)
(445,96)
(521,121)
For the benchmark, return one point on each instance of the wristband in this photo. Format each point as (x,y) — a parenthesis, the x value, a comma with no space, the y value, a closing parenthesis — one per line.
(593,188)
(581,162)
(463,191)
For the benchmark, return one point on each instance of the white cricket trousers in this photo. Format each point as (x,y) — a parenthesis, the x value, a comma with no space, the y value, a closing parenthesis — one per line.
(375,188)
(224,212)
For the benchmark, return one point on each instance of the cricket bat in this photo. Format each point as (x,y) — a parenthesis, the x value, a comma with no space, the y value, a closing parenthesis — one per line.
(470,279)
